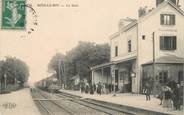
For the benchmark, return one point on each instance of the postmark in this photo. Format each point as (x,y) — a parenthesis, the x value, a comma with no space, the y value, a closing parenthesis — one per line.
(8,105)
(13,14)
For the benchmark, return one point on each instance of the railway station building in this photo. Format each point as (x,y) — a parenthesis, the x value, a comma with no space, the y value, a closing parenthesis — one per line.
(146,50)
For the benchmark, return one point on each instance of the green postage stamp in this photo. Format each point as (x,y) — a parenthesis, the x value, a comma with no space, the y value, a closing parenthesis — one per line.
(13,14)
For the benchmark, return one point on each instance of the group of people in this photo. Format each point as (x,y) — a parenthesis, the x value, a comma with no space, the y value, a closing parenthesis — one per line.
(86,88)
(90,88)
(170,95)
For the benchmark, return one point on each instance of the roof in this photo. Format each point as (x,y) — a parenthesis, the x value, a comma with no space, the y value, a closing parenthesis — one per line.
(135,22)
(163,4)
(169,59)
(127,27)
(112,62)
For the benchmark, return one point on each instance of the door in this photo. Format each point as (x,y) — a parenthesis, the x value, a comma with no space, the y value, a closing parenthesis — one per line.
(116,79)
(180,77)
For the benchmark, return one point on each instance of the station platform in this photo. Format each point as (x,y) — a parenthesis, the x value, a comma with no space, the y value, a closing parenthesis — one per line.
(131,100)
(18,103)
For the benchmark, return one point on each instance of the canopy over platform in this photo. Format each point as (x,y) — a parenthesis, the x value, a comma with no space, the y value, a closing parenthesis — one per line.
(102,65)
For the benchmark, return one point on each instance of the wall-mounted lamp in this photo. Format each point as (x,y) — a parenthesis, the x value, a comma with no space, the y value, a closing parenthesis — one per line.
(133,75)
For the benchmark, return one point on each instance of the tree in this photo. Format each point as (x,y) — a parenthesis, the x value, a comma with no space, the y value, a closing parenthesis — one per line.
(79,60)
(85,55)
(15,69)
(56,64)
(1,75)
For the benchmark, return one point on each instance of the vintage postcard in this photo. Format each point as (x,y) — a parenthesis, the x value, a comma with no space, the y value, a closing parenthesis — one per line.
(91,57)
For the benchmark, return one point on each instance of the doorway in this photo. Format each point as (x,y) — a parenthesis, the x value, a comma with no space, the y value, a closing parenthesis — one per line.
(180,77)
(116,79)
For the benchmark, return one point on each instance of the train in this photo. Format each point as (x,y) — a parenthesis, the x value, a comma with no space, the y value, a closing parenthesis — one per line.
(49,84)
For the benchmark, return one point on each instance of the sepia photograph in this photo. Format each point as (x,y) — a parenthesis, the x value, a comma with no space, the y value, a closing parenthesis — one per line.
(91,57)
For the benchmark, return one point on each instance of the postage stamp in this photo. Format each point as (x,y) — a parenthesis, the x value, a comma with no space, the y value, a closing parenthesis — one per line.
(13,14)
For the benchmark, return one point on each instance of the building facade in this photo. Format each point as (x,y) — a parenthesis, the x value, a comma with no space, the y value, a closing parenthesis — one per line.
(147,50)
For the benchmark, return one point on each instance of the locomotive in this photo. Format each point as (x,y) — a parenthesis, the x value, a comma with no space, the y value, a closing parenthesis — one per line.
(49,84)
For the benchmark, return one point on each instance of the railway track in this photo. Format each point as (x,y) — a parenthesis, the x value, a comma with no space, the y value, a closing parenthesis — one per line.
(76,105)
(63,103)
(47,105)
(60,106)
(105,108)
(67,104)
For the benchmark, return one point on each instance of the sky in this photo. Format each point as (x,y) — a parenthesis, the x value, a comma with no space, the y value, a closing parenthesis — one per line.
(60,28)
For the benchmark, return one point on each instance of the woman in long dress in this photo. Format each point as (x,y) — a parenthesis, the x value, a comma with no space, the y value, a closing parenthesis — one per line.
(167,98)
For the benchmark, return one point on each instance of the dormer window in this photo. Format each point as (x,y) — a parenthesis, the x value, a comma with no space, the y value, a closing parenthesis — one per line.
(167,19)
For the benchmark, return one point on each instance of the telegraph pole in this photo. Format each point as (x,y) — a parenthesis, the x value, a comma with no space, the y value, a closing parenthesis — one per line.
(63,73)
(182,85)
(59,67)
(153,53)
(153,35)
(5,81)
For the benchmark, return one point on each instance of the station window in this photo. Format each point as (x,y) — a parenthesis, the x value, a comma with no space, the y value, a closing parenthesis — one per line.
(167,19)
(143,37)
(129,46)
(124,77)
(163,77)
(168,42)
(116,51)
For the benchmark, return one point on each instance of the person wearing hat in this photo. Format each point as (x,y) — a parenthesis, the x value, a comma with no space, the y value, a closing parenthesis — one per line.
(162,95)
(176,99)
(168,96)
(148,91)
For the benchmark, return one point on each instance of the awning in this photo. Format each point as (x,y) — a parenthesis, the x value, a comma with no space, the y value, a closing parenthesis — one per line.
(169,59)
(125,60)
(102,65)
(112,63)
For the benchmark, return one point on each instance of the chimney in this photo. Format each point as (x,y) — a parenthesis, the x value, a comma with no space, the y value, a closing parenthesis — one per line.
(142,11)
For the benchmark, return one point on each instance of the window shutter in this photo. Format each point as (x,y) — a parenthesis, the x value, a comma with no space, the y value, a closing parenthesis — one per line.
(174,43)
(161,42)
(172,19)
(169,43)
(162,19)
